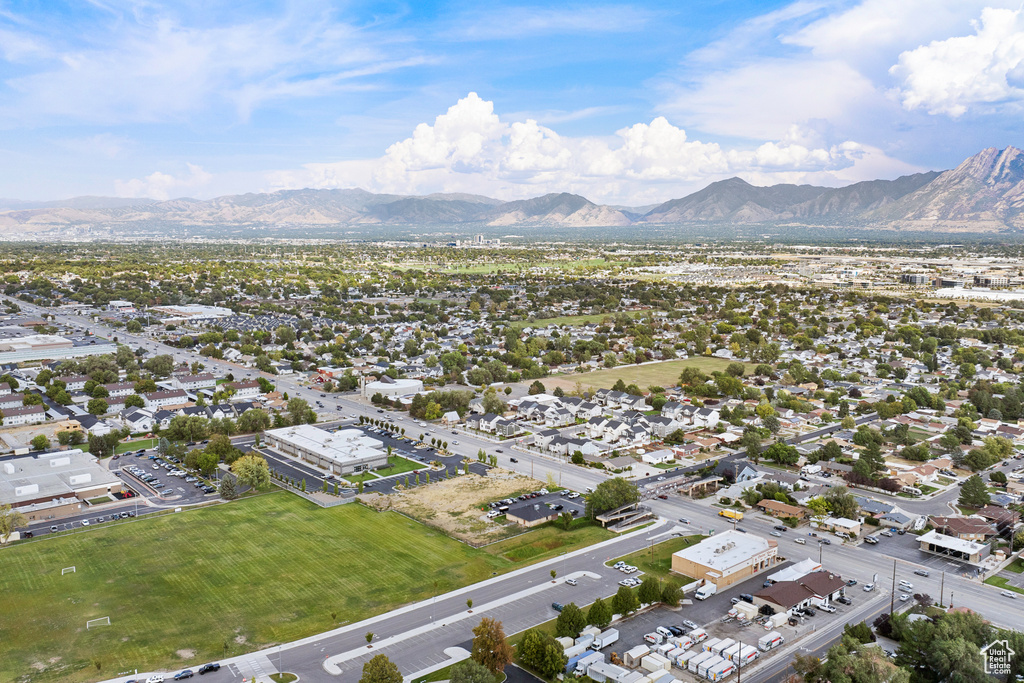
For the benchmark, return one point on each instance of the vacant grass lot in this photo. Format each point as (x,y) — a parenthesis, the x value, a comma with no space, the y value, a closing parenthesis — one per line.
(665,374)
(179,588)
(656,561)
(132,446)
(547,541)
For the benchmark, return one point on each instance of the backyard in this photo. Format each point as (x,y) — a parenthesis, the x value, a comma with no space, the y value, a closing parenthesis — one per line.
(178,588)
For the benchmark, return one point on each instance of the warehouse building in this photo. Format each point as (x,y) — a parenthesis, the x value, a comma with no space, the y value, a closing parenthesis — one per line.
(345,451)
(392,388)
(953,547)
(54,485)
(726,558)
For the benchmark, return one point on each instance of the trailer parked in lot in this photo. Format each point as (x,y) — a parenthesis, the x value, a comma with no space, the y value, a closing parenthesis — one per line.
(655,662)
(722,645)
(603,672)
(695,661)
(682,659)
(685,642)
(709,645)
(584,663)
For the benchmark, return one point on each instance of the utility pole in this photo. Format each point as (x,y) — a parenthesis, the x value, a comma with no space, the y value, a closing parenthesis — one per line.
(942,588)
(739,663)
(892,595)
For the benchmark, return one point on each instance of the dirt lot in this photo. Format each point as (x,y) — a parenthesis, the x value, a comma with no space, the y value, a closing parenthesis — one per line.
(453,505)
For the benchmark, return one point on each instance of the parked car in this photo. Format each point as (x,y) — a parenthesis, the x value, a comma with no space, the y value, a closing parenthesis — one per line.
(827,608)
(689,624)
(571,582)
(207,668)
(557,606)
(181,675)
(851,582)
(844,600)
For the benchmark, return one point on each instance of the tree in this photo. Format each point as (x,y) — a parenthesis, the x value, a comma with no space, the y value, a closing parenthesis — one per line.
(161,365)
(254,420)
(134,401)
(380,669)
(973,493)
(227,488)
(570,622)
(772,424)
(536,388)
(782,453)
(998,477)
(97,406)
(470,671)
(611,494)
(542,653)
(599,614)
(671,595)
(10,520)
(490,648)
(861,632)
(649,591)
(625,601)
(299,412)
(849,662)
(40,442)
(64,437)
(252,470)
(735,369)
(841,502)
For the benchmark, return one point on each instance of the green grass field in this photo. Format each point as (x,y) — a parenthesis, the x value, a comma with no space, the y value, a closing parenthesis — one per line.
(664,374)
(548,541)
(134,445)
(571,320)
(259,571)
(656,561)
(1001,582)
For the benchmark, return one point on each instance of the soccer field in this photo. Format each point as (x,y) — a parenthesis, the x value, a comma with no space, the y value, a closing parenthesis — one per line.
(179,588)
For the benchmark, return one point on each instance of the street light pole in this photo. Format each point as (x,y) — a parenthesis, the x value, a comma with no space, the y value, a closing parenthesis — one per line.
(892,595)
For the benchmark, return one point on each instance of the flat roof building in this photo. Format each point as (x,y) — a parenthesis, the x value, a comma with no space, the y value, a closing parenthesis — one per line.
(726,558)
(32,347)
(52,485)
(956,548)
(345,451)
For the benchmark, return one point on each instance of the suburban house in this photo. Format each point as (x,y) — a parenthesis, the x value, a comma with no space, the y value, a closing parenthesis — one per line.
(777,508)
(816,588)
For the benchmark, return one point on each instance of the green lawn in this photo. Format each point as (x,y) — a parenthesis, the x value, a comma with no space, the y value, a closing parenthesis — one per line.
(400,465)
(1017,566)
(1000,581)
(260,571)
(665,374)
(548,541)
(571,320)
(134,445)
(656,561)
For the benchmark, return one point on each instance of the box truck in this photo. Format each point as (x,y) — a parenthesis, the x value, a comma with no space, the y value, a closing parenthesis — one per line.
(585,662)
(695,661)
(746,655)
(721,671)
(685,642)
(682,659)
(733,650)
(604,639)
(731,514)
(705,591)
(584,640)
(698,635)
(770,641)
(722,645)
(708,664)
(603,671)
(566,643)
(708,644)
(575,651)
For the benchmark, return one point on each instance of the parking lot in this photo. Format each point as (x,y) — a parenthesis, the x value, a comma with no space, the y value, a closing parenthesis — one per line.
(908,546)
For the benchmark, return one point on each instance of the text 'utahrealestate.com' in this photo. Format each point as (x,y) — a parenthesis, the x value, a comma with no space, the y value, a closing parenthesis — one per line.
(512,342)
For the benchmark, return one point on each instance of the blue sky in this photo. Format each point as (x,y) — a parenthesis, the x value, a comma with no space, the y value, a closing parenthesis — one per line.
(623,103)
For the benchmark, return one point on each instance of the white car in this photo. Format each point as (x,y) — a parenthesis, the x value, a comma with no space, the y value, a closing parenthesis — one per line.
(571,582)
(155,678)
(1008,594)
(827,608)
(906,584)
(904,597)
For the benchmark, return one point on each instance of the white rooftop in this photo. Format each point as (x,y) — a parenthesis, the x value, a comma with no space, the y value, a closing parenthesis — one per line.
(951,542)
(58,474)
(340,446)
(795,571)
(723,551)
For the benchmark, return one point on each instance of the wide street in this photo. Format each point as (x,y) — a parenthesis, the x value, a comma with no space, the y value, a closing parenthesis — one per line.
(522,599)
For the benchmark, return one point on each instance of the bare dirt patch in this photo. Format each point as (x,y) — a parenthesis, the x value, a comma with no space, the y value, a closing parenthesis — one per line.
(186,654)
(454,505)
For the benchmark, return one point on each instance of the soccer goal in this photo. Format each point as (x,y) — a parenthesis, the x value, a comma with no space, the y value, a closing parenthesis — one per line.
(102,621)
(67,570)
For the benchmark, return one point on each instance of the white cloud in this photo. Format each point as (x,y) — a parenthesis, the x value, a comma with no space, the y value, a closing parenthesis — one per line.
(470,149)
(102,144)
(161,68)
(160,185)
(516,22)
(950,76)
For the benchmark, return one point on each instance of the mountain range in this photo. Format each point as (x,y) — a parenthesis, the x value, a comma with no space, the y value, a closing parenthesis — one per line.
(985,193)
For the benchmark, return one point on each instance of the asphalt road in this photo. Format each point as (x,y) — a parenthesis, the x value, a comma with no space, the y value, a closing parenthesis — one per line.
(437,616)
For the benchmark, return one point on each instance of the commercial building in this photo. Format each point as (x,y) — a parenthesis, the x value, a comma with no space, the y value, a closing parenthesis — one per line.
(956,548)
(25,348)
(726,558)
(54,485)
(392,388)
(531,514)
(815,588)
(345,451)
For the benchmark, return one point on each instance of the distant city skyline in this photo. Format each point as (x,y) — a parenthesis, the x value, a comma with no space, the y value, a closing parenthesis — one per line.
(627,104)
